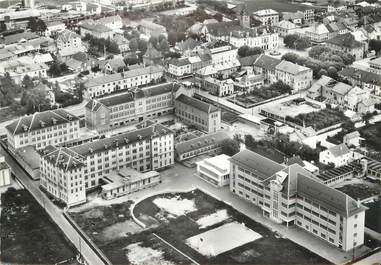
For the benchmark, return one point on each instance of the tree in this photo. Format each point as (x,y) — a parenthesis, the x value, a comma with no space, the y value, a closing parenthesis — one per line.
(27,82)
(302,43)
(280,86)
(34,100)
(290,39)
(163,45)
(230,147)
(219,17)
(250,141)
(37,25)
(154,41)
(142,45)
(56,69)
(245,50)
(332,72)
(8,90)
(134,45)
(291,57)
(322,72)
(375,45)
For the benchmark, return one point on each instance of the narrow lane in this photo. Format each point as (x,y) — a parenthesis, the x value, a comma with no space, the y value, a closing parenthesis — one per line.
(54,212)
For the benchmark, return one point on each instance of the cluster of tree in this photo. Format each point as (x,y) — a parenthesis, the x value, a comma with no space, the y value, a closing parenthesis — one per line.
(8,90)
(174,37)
(97,46)
(37,25)
(67,99)
(327,66)
(57,69)
(375,45)
(297,42)
(245,50)
(160,43)
(372,14)
(137,44)
(230,147)
(324,53)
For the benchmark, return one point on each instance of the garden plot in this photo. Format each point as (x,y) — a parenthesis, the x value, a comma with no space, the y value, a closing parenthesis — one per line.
(212,219)
(215,241)
(139,255)
(176,205)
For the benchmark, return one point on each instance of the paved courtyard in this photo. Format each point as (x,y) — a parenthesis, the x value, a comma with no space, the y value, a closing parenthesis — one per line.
(180,178)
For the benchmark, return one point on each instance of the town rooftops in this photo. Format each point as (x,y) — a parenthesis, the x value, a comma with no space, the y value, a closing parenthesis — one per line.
(361,75)
(196,103)
(265,12)
(15,38)
(179,61)
(267,62)
(121,140)
(101,80)
(66,35)
(291,68)
(328,197)
(152,52)
(124,176)
(263,167)
(155,90)
(339,150)
(40,120)
(223,28)
(96,27)
(62,157)
(248,60)
(341,88)
(200,142)
(345,40)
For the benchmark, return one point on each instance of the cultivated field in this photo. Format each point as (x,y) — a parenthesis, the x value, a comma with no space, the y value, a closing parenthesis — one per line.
(28,236)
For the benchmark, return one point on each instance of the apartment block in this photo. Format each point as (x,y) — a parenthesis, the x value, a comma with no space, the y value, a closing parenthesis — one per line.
(292,196)
(130,107)
(107,84)
(62,175)
(52,127)
(204,116)
(146,149)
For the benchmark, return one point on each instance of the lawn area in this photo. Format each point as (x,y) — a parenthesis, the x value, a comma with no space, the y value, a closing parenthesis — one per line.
(360,191)
(372,136)
(319,119)
(257,95)
(7,114)
(28,234)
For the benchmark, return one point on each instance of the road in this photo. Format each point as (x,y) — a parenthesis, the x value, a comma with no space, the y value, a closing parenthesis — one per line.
(54,212)
(373,259)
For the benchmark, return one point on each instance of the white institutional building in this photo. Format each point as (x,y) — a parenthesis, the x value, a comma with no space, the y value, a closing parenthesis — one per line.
(66,173)
(291,195)
(215,170)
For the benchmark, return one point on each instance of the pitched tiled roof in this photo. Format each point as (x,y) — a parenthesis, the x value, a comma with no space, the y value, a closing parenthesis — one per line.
(291,68)
(262,166)
(339,150)
(223,28)
(66,35)
(196,103)
(248,60)
(40,120)
(199,142)
(62,157)
(361,75)
(120,76)
(121,140)
(267,62)
(345,40)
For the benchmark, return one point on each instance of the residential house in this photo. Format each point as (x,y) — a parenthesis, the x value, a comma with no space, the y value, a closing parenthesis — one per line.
(152,29)
(347,43)
(338,155)
(96,30)
(317,33)
(122,42)
(53,28)
(112,22)
(5,173)
(286,27)
(113,66)
(69,43)
(152,56)
(268,17)
(352,139)
(364,79)
(296,76)
(20,67)
(266,66)
(220,88)
(204,116)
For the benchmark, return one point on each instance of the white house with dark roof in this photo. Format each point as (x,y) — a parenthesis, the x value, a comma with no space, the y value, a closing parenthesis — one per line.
(77,169)
(69,43)
(364,79)
(215,170)
(52,127)
(268,17)
(338,155)
(107,84)
(291,195)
